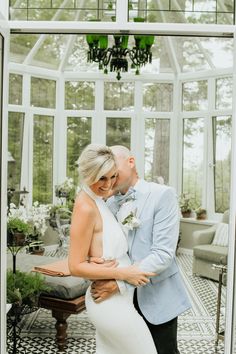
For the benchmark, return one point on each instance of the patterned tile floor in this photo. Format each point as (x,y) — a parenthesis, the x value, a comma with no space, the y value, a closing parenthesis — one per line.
(196,327)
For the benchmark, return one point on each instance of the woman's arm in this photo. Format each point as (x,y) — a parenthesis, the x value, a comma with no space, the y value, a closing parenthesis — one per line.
(82,230)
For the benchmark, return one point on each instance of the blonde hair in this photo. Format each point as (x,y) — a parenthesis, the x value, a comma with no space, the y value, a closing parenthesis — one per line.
(94,162)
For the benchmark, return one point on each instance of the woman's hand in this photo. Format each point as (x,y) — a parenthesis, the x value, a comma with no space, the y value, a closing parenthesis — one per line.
(135,276)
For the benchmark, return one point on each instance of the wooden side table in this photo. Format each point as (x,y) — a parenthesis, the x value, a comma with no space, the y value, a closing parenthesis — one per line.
(61,310)
(222,270)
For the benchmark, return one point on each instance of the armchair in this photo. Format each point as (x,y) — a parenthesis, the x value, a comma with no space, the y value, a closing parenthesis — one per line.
(208,250)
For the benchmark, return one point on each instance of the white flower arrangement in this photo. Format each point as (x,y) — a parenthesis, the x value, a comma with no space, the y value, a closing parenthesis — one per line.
(36,216)
(131,222)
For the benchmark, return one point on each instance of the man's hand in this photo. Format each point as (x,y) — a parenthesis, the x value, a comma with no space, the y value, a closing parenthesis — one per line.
(111,263)
(103,289)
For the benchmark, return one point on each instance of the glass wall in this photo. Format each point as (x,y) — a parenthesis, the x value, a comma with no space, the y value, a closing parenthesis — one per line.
(206,159)
(193,156)
(78,136)
(43,158)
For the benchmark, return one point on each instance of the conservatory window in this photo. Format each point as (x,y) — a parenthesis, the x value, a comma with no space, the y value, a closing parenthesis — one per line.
(15,145)
(158,97)
(43,93)
(195,95)
(43,159)
(193,144)
(222,152)
(78,136)
(79,95)
(15,89)
(224,93)
(118,96)
(157,149)
(118,131)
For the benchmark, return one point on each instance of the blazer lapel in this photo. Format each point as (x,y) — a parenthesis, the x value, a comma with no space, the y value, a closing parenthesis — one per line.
(143,192)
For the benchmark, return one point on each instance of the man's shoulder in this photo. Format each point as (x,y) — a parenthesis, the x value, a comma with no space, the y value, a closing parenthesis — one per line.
(160,187)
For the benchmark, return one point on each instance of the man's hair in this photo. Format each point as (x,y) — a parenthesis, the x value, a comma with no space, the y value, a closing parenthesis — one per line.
(121,151)
(94,162)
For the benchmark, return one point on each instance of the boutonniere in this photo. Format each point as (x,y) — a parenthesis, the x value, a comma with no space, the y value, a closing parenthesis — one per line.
(131,221)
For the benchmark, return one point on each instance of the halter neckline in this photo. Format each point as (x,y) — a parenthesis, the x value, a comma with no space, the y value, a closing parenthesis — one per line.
(89,191)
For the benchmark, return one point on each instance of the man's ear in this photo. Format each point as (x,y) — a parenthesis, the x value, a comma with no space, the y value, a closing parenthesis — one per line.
(132,161)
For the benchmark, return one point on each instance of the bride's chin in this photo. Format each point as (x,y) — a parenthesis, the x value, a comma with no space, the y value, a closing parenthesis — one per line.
(103,193)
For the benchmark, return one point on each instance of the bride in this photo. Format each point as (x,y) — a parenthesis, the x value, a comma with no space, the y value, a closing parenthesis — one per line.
(96,233)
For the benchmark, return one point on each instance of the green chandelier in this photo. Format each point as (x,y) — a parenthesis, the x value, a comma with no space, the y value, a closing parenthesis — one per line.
(116,57)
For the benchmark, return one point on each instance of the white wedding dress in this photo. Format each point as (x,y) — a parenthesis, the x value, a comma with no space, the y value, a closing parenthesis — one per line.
(119,327)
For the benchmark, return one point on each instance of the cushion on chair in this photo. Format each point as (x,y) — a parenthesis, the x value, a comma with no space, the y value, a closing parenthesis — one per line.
(211,253)
(221,235)
(63,287)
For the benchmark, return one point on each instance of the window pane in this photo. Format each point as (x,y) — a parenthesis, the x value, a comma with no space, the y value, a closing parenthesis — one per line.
(43,93)
(118,131)
(193,140)
(158,97)
(222,150)
(118,96)
(79,95)
(43,159)
(195,96)
(157,145)
(15,89)
(61,10)
(15,144)
(78,136)
(21,45)
(51,52)
(224,91)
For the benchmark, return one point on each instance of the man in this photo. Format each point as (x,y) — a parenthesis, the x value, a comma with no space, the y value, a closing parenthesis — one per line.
(152,244)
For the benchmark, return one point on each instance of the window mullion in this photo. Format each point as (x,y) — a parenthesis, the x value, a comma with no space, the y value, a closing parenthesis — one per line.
(209,194)
(138,129)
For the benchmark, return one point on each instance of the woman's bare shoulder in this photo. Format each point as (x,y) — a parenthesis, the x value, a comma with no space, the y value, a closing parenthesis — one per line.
(84,205)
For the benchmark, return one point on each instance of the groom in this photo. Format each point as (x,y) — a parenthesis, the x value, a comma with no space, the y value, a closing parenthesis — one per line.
(152,245)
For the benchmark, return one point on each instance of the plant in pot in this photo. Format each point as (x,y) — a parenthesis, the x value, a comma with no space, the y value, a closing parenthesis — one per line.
(185,204)
(23,291)
(66,189)
(201,213)
(61,211)
(38,216)
(24,288)
(17,231)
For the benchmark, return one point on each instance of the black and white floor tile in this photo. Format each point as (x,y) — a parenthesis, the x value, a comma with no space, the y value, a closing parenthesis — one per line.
(196,327)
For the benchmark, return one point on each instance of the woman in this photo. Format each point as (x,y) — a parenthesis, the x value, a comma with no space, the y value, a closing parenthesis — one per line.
(96,233)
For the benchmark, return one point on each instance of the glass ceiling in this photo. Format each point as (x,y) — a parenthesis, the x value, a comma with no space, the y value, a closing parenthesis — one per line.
(169,54)
(172,11)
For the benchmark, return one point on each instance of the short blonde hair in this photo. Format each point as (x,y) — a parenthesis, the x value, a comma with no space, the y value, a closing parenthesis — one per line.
(94,162)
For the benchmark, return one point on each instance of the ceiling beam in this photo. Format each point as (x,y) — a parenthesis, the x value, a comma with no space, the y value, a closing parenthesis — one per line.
(160,29)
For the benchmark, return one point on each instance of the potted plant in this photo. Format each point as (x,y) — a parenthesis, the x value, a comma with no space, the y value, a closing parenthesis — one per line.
(17,230)
(36,247)
(201,213)
(24,288)
(66,189)
(185,204)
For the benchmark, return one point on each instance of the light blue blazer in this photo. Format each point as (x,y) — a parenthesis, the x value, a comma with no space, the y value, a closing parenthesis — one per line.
(153,246)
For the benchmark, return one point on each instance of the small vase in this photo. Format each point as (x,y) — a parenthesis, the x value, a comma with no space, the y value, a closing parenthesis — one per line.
(186,214)
(201,216)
